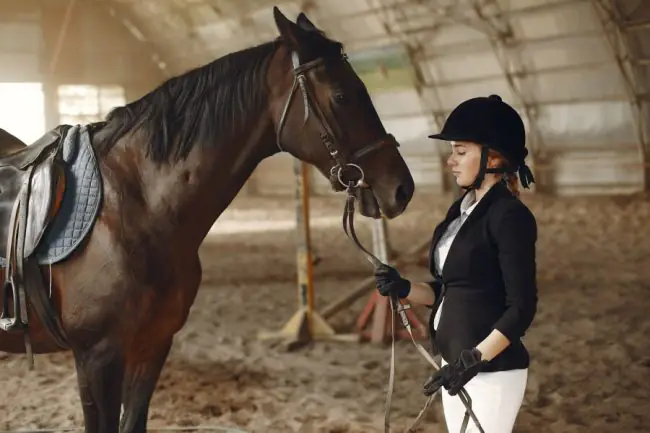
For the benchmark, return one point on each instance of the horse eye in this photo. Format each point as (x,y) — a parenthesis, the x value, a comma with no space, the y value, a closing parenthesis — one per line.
(339,97)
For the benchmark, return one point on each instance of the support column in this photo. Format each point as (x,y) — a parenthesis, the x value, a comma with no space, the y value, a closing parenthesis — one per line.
(51,96)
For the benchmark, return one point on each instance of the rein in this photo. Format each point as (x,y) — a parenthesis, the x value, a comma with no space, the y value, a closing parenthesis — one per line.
(341,163)
(399,308)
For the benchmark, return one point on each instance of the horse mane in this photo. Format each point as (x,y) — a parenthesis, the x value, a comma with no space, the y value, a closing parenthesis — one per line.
(207,104)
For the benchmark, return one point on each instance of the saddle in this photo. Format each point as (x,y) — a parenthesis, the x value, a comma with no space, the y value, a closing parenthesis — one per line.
(9,143)
(32,184)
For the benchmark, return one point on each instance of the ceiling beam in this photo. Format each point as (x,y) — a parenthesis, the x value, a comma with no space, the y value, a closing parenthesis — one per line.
(633,26)
(613,26)
(122,14)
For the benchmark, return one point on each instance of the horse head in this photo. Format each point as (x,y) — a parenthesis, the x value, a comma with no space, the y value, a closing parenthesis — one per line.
(324,116)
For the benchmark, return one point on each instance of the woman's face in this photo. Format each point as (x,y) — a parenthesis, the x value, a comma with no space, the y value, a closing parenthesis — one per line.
(464,161)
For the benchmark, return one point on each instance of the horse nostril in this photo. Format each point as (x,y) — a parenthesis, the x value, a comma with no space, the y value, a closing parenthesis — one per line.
(403,193)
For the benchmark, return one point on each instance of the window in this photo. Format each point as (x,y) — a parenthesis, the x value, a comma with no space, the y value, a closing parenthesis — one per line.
(22,110)
(81,104)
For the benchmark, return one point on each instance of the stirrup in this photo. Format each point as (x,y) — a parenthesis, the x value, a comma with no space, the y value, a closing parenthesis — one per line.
(11,324)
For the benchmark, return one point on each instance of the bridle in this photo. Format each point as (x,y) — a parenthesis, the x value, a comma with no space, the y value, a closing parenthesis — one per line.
(342,162)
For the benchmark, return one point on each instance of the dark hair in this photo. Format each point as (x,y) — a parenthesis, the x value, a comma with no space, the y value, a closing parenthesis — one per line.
(209,102)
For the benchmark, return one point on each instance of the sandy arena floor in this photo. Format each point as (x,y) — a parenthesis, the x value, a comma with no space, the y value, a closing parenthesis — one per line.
(589,342)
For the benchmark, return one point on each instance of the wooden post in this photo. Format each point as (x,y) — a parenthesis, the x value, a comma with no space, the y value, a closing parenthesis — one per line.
(306,324)
(382,307)
(379,306)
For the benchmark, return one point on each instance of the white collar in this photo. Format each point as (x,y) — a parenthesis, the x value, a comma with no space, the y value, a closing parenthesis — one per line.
(469,202)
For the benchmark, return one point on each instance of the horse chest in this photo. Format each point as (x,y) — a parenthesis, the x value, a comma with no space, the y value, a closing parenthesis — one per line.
(168,303)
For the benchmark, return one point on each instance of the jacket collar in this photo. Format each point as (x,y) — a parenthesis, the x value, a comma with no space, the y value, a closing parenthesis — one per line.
(497,191)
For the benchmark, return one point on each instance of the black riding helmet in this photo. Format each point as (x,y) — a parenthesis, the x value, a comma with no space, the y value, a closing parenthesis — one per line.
(493,124)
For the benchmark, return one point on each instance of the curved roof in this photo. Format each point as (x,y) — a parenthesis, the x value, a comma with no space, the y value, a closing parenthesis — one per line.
(578,70)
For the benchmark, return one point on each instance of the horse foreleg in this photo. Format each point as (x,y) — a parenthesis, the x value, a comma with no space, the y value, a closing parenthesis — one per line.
(139,384)
(100,371)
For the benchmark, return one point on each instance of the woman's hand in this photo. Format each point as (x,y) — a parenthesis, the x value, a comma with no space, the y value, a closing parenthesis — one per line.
(390,282)
(454,376)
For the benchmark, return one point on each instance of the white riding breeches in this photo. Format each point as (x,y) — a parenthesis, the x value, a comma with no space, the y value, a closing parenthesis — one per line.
(496,400)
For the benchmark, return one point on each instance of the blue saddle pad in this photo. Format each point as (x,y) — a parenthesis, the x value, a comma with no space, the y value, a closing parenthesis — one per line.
(81,200)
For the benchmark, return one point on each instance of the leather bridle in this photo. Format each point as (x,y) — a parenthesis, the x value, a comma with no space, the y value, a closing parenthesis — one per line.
(342,162)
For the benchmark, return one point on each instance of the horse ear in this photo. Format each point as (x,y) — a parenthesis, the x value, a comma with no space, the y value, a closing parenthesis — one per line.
(306,23)
(289,31)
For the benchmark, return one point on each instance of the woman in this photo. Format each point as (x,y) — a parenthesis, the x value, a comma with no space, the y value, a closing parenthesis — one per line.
(484,295)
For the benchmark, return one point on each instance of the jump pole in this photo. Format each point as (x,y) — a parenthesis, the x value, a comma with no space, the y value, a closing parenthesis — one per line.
(306,325)
(365,286)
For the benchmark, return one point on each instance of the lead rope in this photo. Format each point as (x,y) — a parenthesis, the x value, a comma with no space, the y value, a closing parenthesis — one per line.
(397,307)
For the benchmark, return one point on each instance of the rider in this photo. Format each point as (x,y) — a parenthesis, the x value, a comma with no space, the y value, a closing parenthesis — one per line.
(484,294)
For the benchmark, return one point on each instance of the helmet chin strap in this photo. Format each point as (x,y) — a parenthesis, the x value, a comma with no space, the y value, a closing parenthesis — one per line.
(483,168)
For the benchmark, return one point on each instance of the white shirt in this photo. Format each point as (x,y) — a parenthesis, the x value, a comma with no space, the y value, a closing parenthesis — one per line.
(442,248)
(446,240)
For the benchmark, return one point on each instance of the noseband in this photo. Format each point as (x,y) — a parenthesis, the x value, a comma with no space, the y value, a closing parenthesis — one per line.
(342,161)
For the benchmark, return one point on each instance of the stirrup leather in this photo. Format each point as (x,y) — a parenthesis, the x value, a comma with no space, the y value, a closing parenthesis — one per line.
(14,278)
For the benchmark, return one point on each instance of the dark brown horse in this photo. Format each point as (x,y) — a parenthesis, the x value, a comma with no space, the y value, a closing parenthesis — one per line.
(9,143)
(171,162)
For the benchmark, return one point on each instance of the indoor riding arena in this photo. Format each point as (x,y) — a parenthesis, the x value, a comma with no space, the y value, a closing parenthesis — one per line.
(286,333)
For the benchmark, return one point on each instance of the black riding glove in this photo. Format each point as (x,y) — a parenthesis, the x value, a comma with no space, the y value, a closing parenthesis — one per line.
(390,282)
(454,376)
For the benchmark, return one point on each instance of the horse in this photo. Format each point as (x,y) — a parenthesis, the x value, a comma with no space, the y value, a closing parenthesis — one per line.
(171,162)
(9,143)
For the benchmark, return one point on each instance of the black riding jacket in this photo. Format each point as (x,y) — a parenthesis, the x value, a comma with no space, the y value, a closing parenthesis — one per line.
(488,279)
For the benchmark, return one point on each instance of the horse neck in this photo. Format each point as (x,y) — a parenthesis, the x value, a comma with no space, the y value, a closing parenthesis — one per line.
(225,173)
(194,192)
(183,198)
